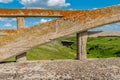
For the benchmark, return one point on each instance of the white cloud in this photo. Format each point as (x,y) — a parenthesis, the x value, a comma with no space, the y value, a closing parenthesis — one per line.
(44,20)
(7,19)
(95,8)
(8,25)
(57,3)
(2,19)
(6,1)
(44,3)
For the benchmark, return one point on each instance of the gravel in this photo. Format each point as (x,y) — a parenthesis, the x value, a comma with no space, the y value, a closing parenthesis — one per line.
(91,69)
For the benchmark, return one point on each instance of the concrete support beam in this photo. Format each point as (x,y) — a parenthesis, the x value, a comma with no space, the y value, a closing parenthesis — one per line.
(34,12)
(20,23)
(21,57)
(81,45)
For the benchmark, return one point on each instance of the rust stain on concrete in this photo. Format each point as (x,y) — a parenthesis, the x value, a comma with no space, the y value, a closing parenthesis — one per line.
(8,31)
(35,12)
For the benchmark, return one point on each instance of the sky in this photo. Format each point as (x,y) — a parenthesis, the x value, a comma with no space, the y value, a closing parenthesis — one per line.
(9,23)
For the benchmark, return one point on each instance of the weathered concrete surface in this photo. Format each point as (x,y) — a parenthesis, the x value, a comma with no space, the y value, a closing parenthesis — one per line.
(7,32)
(81,45)
(35,12)
(26,39)
(20,23)
(93,69)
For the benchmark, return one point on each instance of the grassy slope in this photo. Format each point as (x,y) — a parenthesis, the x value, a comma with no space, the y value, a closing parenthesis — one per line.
(103,47)
(53,50)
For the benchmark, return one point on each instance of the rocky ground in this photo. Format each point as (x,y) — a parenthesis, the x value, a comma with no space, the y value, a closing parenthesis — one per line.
(91,69)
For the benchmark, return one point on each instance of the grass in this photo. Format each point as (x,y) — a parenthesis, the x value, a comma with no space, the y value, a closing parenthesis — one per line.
(53,50)
(101,47)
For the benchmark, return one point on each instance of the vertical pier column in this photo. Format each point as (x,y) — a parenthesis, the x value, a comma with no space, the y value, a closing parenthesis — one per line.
(81,45)
(21,25)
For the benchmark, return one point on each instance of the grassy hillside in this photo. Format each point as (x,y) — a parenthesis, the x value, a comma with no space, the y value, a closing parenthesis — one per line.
(101,47)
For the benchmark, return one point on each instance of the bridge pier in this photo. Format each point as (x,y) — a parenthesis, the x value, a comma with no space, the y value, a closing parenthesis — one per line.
(21,58)
(81,45)
(20,23)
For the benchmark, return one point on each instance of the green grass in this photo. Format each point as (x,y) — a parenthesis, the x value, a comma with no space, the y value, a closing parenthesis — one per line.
(101,47)
(53,50)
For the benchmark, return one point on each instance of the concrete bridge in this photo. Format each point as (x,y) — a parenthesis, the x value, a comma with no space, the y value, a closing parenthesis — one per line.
(17,42)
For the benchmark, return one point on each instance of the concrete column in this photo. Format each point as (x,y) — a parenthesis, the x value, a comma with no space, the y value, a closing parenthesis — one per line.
(81,45)
(20,23)
(21,57)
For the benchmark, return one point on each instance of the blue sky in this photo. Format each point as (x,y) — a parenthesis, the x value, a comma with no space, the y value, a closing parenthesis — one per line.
(54,4)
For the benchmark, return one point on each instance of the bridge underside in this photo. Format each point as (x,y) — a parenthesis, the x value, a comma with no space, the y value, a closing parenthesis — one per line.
(78,21)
